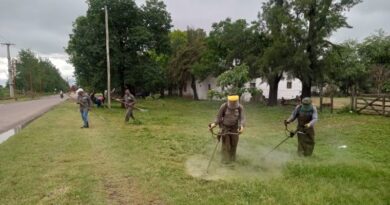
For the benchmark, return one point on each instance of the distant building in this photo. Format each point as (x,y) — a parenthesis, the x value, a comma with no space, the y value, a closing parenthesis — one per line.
(288,88)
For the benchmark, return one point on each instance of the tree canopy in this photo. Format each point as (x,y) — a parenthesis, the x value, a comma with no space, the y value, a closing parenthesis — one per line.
(37,74)
(289,39)
(135,33)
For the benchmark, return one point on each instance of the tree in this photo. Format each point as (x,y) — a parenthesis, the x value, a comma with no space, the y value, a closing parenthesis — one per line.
(280,53)
(186,57)
(315,21)
(37,74)
(134,32)
(158,21)
(178,40)
(234,79)
(375,51)
(233,43)
(155,72)
(345,68)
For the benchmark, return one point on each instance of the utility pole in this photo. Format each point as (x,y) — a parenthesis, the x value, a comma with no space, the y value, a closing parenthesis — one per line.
(10,72)
(108,59)
(13,65)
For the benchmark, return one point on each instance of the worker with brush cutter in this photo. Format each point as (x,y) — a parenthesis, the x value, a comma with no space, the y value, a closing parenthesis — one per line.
(307,116)
(85,103)
(231,120)
(129,101)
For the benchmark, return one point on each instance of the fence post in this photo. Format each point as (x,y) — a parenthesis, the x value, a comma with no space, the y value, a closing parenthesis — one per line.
(331,103)
(384,104)
(353,98)
(321,98)
(355,102)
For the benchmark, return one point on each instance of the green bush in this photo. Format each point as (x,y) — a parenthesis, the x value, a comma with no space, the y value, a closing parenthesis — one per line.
(149,98)
(156,96)
(213,94)
(254,91)
(386,87)
(234,79)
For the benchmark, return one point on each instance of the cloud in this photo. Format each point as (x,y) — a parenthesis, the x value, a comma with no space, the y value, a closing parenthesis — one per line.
(203,13)
(365,18)
(44,25)
(59,60)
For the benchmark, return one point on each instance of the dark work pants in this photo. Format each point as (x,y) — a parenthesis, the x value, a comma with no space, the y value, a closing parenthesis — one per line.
(229,143)
(305,141)
(129,113)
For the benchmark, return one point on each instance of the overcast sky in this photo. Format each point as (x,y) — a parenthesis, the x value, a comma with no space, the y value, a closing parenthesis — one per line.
(44,25)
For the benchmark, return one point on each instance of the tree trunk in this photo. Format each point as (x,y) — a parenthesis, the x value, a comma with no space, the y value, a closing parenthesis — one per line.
(306,89)
(162,93)
(321,96)
(193,86)
(170,91)
(311,50)
(273,90)
(353,94)
(181,90)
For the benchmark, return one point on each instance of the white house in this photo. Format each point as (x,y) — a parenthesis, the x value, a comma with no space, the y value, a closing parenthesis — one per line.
(288,88)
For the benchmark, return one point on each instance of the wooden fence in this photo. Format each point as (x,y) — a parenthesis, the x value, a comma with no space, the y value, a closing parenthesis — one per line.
(373,104)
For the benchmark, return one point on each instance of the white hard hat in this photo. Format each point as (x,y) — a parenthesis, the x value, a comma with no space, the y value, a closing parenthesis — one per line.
(79,90)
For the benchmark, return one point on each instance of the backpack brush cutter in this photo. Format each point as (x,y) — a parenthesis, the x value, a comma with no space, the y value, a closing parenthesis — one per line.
(131,104)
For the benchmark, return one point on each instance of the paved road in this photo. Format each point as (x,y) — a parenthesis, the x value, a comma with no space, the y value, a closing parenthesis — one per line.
(19,113)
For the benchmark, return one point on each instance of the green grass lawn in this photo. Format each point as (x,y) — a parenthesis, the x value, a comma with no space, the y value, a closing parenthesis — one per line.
(162,160)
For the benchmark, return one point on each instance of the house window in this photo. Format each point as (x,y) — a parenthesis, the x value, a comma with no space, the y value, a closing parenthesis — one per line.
(289,84)
(209,87)
(253,85)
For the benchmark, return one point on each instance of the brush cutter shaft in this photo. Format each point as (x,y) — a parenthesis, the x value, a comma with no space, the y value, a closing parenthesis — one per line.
(222,134)
(289,135)
(212,156)
(131,104)
(276,146)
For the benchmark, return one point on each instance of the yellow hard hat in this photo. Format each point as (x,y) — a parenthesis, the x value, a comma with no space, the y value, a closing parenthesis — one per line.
(233,98)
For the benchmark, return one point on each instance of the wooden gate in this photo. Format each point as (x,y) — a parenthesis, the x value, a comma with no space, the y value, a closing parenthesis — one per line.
(373,104)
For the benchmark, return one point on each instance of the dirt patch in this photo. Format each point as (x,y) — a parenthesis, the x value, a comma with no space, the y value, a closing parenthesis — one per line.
(55,193)
(123,190)
(249,165)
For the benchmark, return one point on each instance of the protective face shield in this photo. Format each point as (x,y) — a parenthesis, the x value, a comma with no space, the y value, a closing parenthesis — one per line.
(306,103)
(233,101)
(79,91)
